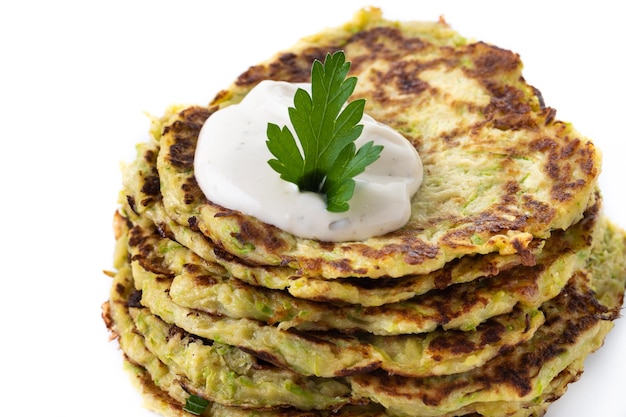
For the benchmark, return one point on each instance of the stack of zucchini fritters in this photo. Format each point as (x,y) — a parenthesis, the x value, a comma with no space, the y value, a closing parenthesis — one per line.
(485,304)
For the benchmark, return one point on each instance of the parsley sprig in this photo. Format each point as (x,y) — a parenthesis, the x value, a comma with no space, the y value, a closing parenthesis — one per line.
(326,129)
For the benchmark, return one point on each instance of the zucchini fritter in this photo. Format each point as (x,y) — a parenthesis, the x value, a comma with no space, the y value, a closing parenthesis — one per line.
(485,304)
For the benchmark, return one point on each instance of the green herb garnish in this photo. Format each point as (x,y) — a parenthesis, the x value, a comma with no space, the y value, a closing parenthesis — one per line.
(326,131)
(195,405)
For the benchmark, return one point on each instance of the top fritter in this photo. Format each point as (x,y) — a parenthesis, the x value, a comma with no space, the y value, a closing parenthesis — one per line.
(499,169)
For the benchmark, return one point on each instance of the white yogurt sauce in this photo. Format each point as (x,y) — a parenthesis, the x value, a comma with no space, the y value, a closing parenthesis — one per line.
(231,169)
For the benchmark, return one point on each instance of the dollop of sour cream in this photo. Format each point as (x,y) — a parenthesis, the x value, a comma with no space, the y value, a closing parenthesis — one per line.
(231,169)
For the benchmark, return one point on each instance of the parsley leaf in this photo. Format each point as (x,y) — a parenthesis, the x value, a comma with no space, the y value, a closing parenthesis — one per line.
(326,129)
(195,405)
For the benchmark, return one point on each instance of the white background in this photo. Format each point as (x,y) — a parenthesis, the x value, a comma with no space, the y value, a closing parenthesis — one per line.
(75,81)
